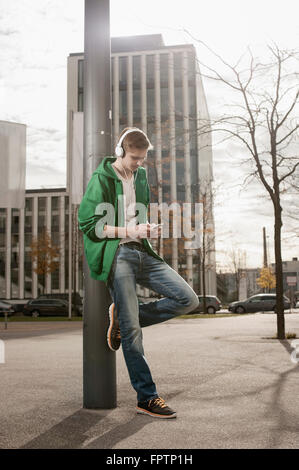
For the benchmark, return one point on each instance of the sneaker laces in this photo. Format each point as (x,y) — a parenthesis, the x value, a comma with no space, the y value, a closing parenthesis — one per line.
(116,329)
(117,334)
(158,401)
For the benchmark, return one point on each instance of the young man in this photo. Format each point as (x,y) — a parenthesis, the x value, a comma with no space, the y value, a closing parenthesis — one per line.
(119,253)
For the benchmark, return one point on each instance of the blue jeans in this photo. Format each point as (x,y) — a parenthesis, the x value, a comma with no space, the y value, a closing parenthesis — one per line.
(131,267)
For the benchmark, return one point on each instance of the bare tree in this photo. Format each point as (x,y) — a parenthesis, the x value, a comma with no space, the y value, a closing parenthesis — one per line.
(207,235)
(266,125)
(237,263)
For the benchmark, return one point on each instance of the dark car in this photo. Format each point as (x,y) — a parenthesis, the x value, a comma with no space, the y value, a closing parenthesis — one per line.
(6,307)
(49,307)
(257,303)
(213,304)
(76,298)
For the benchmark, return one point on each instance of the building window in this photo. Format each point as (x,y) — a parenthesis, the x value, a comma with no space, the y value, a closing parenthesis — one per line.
(123,108)
(14,260)
(2,227)
(55,203)
(55,280)
(14,265)
(66,204)
(28,275)
(150,71)
(28,204)
(2,274)
(123,72)
(150,104)
(41,204)
(136,72)
(80,85)
(15,222)
(41,222)
(164,70)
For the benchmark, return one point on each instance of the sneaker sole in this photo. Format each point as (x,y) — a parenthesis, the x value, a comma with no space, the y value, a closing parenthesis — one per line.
(154,415)
(111,318)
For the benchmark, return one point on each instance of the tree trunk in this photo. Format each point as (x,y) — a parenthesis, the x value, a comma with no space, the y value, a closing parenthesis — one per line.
(278,273)
(203,257)
(203,265)
(237,281)
(204,290)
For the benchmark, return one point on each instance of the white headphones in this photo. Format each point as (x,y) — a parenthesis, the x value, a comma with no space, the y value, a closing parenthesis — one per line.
(119,151)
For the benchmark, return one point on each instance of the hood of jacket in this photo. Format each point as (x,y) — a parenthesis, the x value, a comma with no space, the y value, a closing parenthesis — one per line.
(105,169)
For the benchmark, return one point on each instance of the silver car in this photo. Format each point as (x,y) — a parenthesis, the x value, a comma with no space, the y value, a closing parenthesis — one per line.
(257,303)
(213,304)
(6,308)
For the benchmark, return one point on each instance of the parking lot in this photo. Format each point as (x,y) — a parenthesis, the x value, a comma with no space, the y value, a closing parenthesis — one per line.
(231,385)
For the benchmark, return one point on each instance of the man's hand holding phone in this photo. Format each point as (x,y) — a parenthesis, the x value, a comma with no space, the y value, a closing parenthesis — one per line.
(145,231)
(156,230)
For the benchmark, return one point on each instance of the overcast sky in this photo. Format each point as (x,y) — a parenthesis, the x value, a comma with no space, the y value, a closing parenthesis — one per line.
(36,36)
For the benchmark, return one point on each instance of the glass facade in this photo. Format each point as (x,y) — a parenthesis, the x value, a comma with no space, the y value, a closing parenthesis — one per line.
(163,69)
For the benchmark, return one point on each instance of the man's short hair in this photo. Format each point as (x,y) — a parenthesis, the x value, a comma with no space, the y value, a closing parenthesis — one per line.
(135,140)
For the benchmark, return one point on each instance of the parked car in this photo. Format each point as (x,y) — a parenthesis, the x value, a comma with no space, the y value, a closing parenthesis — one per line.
(65,297)
(49,307)
(213,304)
(257,303)
(6,307)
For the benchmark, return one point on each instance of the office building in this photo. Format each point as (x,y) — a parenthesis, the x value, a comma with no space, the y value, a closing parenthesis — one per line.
(158,88)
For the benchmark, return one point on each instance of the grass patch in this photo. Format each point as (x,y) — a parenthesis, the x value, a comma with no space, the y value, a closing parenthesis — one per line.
(26,318)
(291,335)
(213,315)
(287,336)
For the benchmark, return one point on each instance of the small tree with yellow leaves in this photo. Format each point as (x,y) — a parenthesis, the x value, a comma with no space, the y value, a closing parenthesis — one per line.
(44,255)
(267,279)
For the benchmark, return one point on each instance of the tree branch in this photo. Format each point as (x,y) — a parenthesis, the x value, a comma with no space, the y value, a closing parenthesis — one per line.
(290,173)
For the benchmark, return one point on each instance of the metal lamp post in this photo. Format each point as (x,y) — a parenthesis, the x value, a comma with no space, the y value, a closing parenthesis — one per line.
(99,364)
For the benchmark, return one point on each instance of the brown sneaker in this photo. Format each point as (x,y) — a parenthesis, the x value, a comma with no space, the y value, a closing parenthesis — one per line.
(156,408)
(113,333)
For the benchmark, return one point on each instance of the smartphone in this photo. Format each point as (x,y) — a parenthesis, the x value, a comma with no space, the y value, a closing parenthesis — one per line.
(157,225)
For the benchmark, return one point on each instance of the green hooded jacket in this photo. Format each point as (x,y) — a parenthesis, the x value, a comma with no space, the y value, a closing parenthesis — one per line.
(105,187)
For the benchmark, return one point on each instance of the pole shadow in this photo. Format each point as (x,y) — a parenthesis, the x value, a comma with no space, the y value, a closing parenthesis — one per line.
(71,432)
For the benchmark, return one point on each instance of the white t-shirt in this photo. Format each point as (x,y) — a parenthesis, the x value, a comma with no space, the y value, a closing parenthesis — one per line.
(130,204)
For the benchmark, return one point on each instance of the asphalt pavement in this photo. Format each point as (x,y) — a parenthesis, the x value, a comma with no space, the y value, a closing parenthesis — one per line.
(231,385)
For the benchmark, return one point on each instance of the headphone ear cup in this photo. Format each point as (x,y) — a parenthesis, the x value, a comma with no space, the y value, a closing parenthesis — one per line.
(119,151)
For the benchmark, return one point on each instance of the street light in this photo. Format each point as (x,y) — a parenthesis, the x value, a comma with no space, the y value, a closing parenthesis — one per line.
(99,365)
